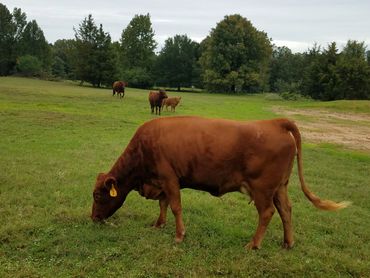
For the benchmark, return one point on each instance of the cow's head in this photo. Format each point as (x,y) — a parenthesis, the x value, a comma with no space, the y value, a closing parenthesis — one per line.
(107,197)
(162,94)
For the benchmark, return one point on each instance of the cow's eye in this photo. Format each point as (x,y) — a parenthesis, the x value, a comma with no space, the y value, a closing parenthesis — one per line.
(97,196)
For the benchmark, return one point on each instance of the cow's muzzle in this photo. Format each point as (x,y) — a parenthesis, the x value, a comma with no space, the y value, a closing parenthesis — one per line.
(97,219)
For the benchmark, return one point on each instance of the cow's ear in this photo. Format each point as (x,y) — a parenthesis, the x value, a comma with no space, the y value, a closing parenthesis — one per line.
(111,184)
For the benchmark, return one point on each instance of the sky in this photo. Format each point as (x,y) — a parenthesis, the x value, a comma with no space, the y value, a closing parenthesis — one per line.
(295,24)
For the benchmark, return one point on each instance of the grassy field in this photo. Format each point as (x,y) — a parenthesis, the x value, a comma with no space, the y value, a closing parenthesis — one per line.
(56,137)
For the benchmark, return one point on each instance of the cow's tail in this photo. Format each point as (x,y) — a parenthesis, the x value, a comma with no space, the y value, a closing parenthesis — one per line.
(316,201)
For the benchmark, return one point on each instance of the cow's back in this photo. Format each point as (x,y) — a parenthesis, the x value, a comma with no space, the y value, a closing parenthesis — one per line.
(209,151)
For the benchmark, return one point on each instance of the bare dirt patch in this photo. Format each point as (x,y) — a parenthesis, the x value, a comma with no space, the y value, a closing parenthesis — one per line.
(321,126)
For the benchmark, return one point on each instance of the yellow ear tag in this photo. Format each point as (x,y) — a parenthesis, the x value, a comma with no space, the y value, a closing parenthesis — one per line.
(113,192)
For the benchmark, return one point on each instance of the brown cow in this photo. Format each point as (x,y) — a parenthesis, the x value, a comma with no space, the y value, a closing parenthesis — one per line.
(155,100)
(218,156)
(119,88)
(171,101)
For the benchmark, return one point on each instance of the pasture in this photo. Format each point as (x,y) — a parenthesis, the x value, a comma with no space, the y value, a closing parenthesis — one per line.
(57,136)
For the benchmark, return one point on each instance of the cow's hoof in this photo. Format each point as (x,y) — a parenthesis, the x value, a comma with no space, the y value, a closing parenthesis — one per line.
(159,225)
(180,238)
(252,246)
(288,245)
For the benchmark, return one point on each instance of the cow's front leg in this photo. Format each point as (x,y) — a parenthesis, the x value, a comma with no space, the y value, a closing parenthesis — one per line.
(161,221)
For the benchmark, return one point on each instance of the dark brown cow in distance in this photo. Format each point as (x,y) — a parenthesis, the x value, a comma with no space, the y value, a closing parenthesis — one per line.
(119,88)
(155,100)
(218,156)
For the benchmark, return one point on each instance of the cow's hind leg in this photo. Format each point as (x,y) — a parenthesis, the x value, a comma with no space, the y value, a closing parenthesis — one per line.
(172,191)
(265,208)
(282,203)
(161,221)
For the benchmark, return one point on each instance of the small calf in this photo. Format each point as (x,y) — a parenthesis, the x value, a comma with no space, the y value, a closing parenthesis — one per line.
(172,101)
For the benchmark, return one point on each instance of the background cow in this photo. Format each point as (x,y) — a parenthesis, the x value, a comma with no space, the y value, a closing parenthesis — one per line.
(119,88)
(213,155)
(171,101)
(155,100)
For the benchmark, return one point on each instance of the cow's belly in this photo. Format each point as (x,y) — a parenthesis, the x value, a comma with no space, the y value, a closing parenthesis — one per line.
(213,185)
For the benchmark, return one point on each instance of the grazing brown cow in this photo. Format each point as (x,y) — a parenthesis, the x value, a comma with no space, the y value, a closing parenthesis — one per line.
(218,156)
(119,88)
(155,100)
(171,101)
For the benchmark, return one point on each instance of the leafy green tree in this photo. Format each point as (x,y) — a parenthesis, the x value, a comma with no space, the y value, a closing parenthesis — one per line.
(105,58)
(137,51)
(32,42)
(95,59)
(328,74)
(285,70)
(236,56)
(58,67)
(29,65)
(64,52)
(6,40)
(354,71)
(332,76)
(85,43)
(311,85)
(11,28)
(176,64)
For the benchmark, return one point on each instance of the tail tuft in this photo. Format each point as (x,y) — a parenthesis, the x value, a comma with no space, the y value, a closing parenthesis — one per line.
(330,205)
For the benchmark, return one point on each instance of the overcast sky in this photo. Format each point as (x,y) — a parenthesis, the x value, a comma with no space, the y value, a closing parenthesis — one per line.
(296,24)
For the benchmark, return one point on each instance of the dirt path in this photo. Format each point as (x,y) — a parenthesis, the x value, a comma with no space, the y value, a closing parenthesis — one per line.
(318,126)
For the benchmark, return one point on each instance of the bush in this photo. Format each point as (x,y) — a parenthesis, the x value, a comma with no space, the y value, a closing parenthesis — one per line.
(292,96)
(29,66)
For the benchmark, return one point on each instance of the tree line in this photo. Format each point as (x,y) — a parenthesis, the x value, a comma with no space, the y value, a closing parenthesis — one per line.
(234,58)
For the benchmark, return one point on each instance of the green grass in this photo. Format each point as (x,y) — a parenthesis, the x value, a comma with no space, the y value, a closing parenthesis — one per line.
(56,137)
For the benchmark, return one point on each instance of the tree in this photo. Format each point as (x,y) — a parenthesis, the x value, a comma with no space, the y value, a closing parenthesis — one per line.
(137,51)
(354,71)
(58,67)
(311,85)
(285,70)
(6,40)
(32,42)
(85,40)
(176,63)
(19,38)
(332,76)
(105,58)
(235,56)
(328,74)
(11,28)
(95,56)
(29,65)
(64,53)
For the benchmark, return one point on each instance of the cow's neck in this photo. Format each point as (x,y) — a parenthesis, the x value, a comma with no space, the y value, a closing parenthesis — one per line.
(123,170)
